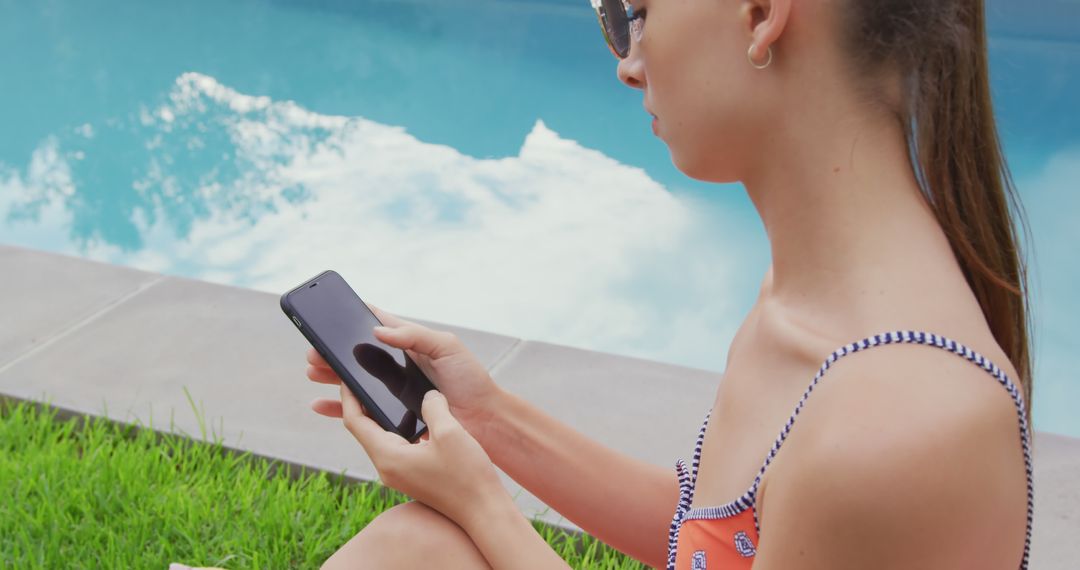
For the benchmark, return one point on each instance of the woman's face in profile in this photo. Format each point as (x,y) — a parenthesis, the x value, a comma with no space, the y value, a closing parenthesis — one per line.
(691,65)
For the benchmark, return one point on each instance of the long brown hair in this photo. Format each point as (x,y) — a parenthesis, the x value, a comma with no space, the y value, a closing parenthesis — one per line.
(938,50)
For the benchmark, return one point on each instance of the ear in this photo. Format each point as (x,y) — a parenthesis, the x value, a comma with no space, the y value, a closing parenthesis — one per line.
(764,22)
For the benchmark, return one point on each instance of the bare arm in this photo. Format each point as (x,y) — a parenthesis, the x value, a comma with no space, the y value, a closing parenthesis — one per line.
(624,502)
(506,539)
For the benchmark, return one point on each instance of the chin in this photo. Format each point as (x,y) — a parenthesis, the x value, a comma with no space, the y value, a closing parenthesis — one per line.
(702,166)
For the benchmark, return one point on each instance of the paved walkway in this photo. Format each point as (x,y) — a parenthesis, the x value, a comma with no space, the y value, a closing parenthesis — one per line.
(106,340)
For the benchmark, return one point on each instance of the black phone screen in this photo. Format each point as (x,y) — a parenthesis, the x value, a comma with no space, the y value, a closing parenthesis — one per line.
(335,316)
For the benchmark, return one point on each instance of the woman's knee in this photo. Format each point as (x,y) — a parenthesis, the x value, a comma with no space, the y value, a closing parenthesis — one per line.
(408,536)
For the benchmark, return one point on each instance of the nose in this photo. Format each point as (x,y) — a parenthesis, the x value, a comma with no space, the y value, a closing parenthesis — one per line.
(631,70)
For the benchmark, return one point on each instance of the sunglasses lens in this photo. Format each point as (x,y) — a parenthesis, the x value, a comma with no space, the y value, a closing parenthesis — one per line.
(617,26)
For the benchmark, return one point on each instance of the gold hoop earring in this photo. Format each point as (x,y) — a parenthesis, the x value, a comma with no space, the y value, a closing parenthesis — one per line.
(750,58)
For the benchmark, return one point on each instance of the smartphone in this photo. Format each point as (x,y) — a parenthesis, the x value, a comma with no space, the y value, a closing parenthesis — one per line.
(339,325)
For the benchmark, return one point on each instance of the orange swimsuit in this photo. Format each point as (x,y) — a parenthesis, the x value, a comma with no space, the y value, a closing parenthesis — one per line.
(725,537)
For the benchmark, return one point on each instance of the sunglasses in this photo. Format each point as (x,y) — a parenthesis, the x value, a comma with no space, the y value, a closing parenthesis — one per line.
(619,22)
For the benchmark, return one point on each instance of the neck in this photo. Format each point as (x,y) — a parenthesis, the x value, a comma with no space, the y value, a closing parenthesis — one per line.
(846,221)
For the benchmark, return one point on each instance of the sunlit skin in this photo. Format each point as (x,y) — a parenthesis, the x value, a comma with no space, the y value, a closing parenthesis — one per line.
(905,458)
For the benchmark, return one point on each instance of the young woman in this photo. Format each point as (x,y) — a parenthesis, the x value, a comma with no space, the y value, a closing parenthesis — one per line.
(863,133)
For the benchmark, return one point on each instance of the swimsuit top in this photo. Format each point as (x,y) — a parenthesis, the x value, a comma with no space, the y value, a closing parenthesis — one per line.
(726,536)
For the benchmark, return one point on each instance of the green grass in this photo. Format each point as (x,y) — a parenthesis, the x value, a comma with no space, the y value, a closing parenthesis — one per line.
(96,494)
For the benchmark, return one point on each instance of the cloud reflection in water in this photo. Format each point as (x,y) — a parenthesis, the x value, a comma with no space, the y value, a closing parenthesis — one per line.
(558,243)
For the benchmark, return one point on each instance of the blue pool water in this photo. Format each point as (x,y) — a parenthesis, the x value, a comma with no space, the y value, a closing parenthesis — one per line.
(466,161)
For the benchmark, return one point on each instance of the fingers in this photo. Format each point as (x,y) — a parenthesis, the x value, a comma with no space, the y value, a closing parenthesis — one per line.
(327,407)
(376,441)
(420,339)
(322,375)
(316,359)
(387,318)
(436,413)
(319,370)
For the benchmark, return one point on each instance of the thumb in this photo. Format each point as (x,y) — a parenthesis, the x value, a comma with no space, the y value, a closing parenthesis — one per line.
(436,413)
(371,436)
(420,339)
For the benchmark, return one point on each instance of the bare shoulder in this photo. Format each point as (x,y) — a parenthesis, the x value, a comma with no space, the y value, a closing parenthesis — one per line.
(904,456)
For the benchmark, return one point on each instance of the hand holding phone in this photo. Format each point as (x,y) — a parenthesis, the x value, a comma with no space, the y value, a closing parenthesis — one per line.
(437,355)
(340,327)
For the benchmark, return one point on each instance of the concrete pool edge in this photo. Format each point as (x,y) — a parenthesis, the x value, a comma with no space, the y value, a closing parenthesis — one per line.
(104,340)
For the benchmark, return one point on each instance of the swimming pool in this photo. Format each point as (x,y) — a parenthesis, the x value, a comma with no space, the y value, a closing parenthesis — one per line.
(467,161)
